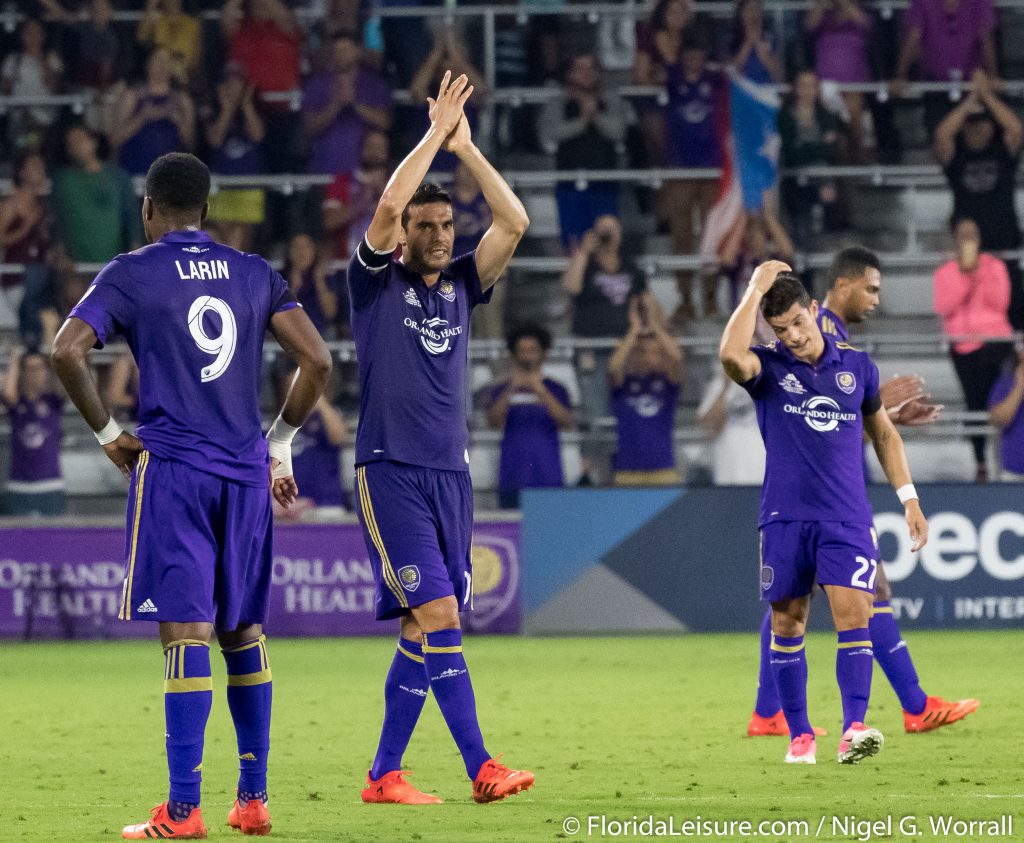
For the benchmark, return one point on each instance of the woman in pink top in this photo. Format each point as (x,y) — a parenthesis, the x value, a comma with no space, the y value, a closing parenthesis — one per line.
(972,296)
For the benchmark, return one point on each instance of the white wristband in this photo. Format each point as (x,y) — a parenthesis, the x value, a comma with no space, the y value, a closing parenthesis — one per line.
(906,493)
(109,433)
(279,446)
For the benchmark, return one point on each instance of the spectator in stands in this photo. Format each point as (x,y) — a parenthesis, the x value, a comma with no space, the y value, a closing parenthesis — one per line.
(1006,413)
(35,485)
(752,48)
(234,134)
(306,275)
(316,453)
(583,128)
(341,105)
(979,145)
(531,410)
(730,419)
(645,373)
(470,211)
(760,239)
(164,24)
(948,40)
(972,294)
(448,54)
(97,210)
(32,71)
(697,102)
(601,281)
(122,389)
(265,39)
(659,43)
(153,118)
(809,135)
(351,199)
(841,30)
(98,51)
(26,234)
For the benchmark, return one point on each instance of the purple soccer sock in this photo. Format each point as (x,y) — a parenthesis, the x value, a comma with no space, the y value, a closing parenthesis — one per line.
(789,667)
(854,663)
(405,692)
(893,656)
(767,697)
(188,697)
(449,680)
(250,693)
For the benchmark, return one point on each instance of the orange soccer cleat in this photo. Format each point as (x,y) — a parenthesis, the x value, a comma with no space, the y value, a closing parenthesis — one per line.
(938,713)
(775,725)
(160,826)
(254,818)
(393,788)
(496,781)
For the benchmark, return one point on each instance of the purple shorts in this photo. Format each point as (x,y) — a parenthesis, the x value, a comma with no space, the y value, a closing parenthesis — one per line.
(197,547)
(418,527)
(795,554)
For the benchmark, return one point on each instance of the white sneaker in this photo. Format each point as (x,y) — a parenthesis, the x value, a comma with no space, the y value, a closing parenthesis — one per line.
(859,741)
(802,750)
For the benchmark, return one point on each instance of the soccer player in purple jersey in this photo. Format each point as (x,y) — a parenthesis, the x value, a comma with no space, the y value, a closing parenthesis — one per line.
(855,280)
(198,543)
(410,320)
(815,399)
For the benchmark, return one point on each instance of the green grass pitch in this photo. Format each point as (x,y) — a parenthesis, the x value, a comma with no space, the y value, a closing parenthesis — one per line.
(621,727)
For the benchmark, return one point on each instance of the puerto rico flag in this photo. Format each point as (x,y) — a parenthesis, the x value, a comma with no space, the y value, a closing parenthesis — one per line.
(751,160)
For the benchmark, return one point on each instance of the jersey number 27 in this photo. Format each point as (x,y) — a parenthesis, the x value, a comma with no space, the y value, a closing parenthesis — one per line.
(223,344)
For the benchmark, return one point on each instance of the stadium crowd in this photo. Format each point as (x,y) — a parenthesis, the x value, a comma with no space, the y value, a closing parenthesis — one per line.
(265,87)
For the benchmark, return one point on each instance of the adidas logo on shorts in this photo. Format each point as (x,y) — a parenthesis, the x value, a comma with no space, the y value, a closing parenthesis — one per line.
(147,607)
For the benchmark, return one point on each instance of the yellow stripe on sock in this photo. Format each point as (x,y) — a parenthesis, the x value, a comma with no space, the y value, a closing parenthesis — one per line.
(244,679)
(126,594)
(783,648)
(429,649)
(885,610)
(167,664)
(264,660)
(413,656)
(192,683)
(848,645)
(388,573)
(248,645)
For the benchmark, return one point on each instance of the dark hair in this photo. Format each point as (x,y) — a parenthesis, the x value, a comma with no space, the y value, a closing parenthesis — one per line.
(531,329)
(956,219)
(659,15)
(737,32)
(426,194)
(787,290)
(178,181)
(852,262)
(694,37)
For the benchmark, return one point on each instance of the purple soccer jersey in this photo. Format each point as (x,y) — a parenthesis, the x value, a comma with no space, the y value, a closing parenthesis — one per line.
(812,421)
(36,428)
(195,314)
(530,454)
(645,412)
(315,463)
(831,325)
(412,345)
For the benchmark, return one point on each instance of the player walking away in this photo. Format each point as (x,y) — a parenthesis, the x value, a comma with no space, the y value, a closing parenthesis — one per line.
(198,544)
(410,320)
(854,284)
(815,398)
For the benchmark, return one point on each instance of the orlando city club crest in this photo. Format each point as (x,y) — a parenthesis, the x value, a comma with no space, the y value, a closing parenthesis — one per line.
(446,290)
(846,382)
(409,576)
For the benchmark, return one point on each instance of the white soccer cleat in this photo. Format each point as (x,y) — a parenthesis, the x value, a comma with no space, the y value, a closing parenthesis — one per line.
(802,750)
(859,741)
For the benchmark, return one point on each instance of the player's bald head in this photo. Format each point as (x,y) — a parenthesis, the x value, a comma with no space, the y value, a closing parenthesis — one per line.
(178,183)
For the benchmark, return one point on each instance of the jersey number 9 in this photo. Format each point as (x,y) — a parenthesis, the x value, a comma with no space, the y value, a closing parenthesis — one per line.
(223,344)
